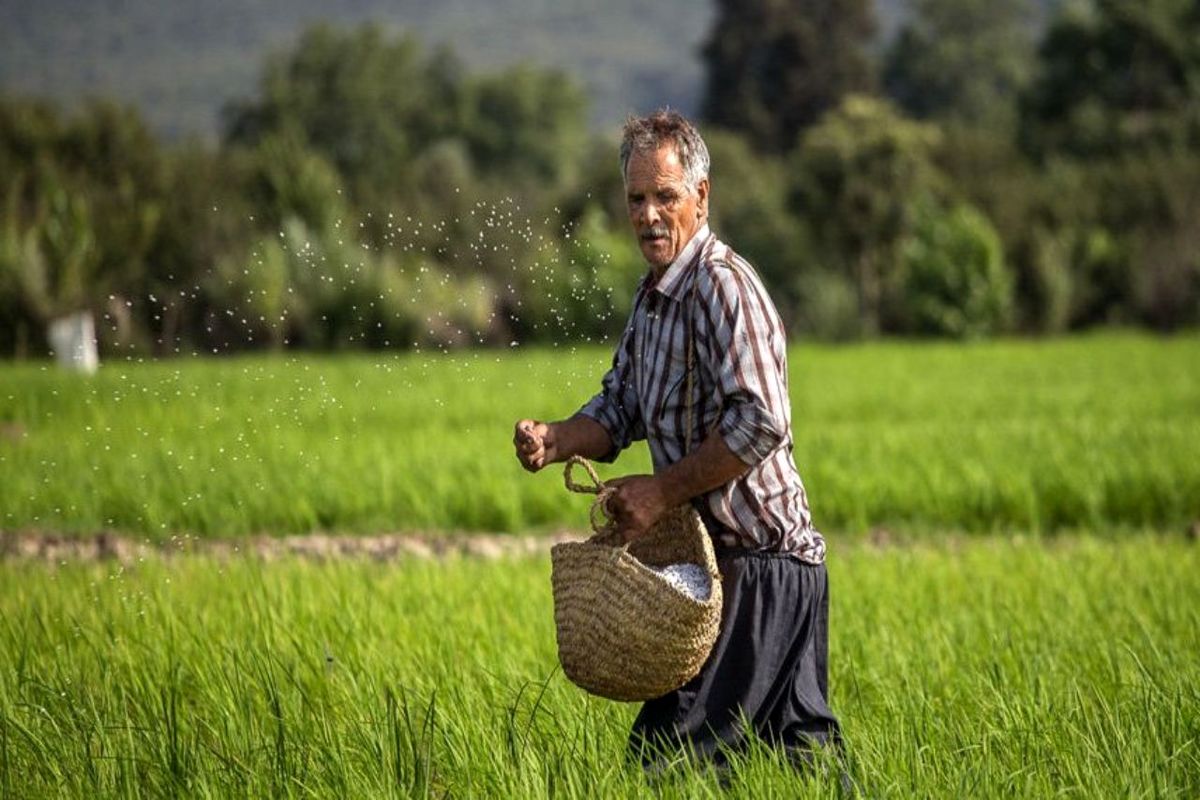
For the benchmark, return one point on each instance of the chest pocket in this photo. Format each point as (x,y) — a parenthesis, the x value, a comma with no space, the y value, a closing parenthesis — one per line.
(674,396)
(668,415)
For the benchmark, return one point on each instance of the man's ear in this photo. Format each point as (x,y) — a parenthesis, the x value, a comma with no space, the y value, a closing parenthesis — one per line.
(702,199)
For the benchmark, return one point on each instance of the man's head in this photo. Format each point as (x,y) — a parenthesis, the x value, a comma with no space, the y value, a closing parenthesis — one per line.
(665,165)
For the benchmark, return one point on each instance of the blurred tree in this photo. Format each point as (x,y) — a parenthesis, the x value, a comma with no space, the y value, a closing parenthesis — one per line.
(373,106)
(1118,103)
(1034,210)
(775,66)
(955,280)
(1150,204)
(289,180)
(856,178)
(750,211)
(20,255)
(527,124)
(586,290)
(367,103)
(29,132)
(963,61)
(208,216)
(1115,75)
(28,129)
(84,204)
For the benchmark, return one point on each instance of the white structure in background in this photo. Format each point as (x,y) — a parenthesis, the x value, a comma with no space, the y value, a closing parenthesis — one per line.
(74,341)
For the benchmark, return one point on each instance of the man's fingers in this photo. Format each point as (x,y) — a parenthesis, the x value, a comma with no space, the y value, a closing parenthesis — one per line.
(533,462)
(627,532)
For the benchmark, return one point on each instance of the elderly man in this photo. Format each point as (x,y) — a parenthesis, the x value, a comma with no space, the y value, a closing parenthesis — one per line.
(768,667)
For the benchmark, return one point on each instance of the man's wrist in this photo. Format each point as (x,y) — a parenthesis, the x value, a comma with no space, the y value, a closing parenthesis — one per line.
(555,450)
(670,490)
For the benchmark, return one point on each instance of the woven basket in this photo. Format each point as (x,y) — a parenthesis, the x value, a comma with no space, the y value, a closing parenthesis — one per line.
(624,633)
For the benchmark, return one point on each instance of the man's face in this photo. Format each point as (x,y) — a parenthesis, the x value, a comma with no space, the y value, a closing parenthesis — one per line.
(664,210)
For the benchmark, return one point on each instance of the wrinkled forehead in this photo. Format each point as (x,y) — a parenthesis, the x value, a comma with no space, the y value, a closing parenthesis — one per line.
(655,168)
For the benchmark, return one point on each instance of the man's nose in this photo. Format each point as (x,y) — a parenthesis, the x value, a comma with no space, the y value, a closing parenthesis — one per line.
(650,214)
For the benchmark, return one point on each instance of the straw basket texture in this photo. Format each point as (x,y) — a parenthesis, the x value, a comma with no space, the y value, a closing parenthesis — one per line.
(624,633)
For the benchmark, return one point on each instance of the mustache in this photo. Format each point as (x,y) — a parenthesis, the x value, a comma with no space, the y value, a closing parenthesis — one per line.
(655,232)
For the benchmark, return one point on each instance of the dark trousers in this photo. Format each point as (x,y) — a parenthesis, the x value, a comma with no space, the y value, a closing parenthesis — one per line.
(768,668)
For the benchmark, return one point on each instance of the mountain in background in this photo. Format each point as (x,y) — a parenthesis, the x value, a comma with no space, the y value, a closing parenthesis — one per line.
(180,61)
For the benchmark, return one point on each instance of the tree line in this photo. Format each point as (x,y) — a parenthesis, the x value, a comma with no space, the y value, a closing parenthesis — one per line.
(981,175)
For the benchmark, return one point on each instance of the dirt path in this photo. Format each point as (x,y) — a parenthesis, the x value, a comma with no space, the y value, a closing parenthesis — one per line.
(56,548)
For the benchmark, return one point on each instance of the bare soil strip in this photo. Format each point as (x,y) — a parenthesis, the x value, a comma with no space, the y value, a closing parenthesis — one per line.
(62,548)
(56,548)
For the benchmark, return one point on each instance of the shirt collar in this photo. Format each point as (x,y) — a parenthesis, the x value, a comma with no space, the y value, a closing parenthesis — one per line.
(671,282)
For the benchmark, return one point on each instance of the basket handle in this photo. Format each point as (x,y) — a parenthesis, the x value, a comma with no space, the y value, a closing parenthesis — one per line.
(603,523)
(582,488)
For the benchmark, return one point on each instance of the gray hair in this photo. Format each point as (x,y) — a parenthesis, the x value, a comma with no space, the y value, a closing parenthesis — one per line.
(647,134)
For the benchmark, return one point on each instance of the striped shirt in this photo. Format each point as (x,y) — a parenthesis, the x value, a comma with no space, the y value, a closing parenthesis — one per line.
(739,388)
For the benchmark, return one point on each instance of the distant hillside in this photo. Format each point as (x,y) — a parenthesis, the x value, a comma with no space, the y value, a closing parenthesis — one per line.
(180,60)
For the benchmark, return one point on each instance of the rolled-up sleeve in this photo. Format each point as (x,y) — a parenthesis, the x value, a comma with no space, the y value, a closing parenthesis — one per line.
(616,407)
(745,354)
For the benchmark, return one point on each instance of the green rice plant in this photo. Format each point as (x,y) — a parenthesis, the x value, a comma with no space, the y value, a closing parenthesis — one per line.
(968,667)
(1095,433)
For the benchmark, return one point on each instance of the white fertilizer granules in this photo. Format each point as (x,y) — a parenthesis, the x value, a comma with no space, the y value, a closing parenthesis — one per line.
(691,579)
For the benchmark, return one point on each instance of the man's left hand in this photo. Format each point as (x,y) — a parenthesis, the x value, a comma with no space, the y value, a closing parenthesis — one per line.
(639,502)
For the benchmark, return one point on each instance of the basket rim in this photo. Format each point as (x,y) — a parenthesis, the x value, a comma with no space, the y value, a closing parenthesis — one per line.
(700,531)
(622,554)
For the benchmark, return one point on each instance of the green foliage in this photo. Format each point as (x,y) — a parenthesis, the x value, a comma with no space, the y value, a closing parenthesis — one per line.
(605,267)
(1095,432)
(83,205)
(955,280)
(374,106)
(367,103)
(1150,202)
(1112,241)
(857,177)
(750,211)
(178,63)
(1118,75)
(962,60)
(481,201)
(224,676)
(828,306)
(417,139)
(774,67)
(526,124)
(1048,282)
(287,179)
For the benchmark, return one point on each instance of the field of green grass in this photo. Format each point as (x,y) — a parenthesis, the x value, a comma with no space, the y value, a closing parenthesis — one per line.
(984,668)
(1094,433)
(983,658)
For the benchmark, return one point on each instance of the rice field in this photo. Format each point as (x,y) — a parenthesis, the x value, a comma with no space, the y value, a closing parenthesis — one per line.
(1098,433)
(1035,635)
(974,667)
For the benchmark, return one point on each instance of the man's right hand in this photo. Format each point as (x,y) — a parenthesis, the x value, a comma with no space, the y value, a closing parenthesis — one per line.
(535,444)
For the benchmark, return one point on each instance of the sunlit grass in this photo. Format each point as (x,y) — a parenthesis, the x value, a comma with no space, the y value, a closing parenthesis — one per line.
(977,668)
(1095,433)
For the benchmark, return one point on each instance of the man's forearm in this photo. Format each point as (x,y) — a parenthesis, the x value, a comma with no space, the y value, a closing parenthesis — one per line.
(710,465)
(580,436)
